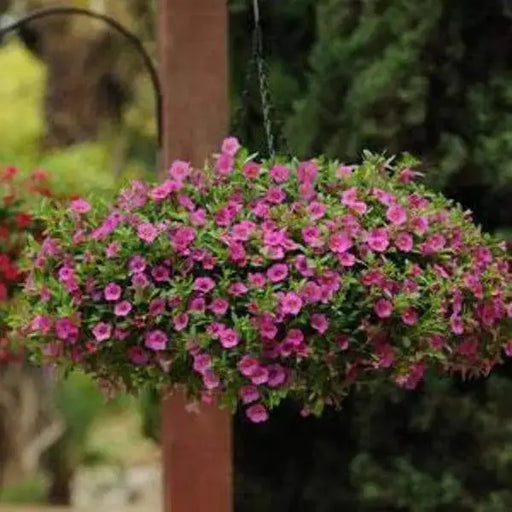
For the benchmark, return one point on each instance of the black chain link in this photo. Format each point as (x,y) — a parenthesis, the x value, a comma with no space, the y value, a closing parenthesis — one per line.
(258,63)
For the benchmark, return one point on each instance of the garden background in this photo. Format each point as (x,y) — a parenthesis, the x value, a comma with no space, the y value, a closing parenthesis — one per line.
(345,75)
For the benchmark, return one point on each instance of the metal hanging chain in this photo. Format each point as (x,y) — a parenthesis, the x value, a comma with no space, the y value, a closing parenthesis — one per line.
(266,103)
(130,36)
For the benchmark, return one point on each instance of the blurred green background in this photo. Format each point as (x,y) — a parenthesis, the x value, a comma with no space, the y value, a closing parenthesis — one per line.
(432,78)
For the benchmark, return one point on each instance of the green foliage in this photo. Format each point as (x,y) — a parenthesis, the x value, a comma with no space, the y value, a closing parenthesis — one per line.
(28,491)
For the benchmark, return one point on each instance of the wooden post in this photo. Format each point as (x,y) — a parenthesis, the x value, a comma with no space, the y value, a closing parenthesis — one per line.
(194,73)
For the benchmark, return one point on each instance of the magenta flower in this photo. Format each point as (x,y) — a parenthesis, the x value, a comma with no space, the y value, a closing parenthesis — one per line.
(41,323)
(248,366)
(102,331)
(456,324)
(112,292)
(137,264)
(179,170)
(229,338)
(140,281)
(383,308)
(230,146)
(197,304)
(224,164)
(257,279)
(237,289)
(257,413)
(66,274)
(156,307)
(291,303)
(251,170)
(275,195)
(147,232)
(210,379)
(508,349)
(279,173)
(156,340)
(316,210)
(276,376)
(420,225)
(112,250)
(347,259)
(312,236)
(80,206)
(277,272)
(396,215)
(219,306)
(122,308)
(319,323)
(204,284)
(180,321)
(182,238)
(198,217)
(248,394)
(404,242)
(378,240)
(160,274)
(340,243)
(259,376)
(202,362)
(137,356)
(409,316)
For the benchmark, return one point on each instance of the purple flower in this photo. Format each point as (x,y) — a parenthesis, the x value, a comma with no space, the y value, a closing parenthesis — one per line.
(249,394)
(257,413)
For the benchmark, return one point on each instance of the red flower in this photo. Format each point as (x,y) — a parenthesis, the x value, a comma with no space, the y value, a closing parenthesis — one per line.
(23,220)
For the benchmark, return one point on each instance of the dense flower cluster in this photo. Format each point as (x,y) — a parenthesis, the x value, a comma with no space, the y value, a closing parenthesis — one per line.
(15,224)
(249,282)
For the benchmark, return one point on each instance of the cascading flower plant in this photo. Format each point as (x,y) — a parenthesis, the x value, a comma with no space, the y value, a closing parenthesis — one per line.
(248,282)
(16,223)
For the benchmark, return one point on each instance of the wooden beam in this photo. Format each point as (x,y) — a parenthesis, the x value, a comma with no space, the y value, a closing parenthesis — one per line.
(194,73)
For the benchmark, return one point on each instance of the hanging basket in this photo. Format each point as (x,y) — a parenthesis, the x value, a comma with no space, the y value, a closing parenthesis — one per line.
(249,282)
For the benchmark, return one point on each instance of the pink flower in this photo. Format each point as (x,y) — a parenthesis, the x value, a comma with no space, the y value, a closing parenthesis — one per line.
(307,171)
(202,362)
(347,259)
(248,366)
(277,272)
(378,240)
(161,192)
(316,210)
(156,340)
(122,308)
(160,273)
(112,250)
(279,173)
(156,307)
(140,281)
(435,243)
(137,264)
(112,292)
(66,274)
(409,316)
(210,379)
(180,321)
(242,231)
(80,206)
(275,195)
(197,304)
(179,170)
(224,164)
(257,279)
(343,342)
(257,413)
(102,331)
(41,323)
(230,146)
(181,238)
(311,235)
(276,376)
(147,232)
(508,348)
(437,341)
(219,306)
(229,338)
(259,376)
(237,289)
(383,308)
(343,171)
(396,215)
(339,243)
(420,225)
(137,356)
(198,217)
(319,323)
(204,284)
(456,324)
(291,303)
(404,242)
(251,170)
(248,394)
(302,266)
